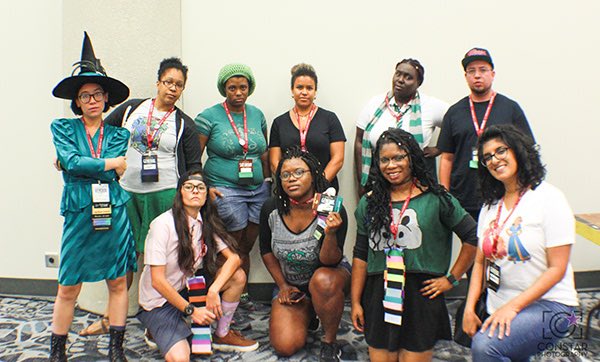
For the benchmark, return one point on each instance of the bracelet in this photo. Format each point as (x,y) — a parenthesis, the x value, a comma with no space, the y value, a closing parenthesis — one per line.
(452,279)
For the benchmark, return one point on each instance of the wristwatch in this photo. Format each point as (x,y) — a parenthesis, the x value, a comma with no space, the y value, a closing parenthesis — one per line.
(189,310)
(452,279)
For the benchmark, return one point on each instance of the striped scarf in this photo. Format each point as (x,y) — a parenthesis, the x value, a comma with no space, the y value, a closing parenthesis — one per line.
(413,107)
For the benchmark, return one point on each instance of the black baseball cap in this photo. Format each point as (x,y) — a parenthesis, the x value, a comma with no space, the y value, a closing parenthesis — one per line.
(477,54)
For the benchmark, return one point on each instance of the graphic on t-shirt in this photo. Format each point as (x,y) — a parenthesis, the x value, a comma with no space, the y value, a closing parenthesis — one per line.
(300,260)
(516,251)
(409,233)
(493,246)
(139,139)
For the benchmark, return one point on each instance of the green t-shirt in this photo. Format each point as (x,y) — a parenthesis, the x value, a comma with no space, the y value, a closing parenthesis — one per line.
(223,148)
(425,232)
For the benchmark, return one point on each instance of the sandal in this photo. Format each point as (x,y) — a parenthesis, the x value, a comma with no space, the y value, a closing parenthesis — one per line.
(99,327)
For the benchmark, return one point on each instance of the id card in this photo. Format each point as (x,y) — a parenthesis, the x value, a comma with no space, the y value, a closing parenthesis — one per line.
(245,171)
(474,163)
(493,277)
(323,203)
(149,168)
(320,229)
(101,207)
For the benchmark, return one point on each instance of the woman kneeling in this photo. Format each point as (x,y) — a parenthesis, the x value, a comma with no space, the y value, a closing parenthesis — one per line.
(185,241)
(309,269)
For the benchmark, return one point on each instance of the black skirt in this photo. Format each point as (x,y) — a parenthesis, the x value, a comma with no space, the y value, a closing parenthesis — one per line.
(424,320)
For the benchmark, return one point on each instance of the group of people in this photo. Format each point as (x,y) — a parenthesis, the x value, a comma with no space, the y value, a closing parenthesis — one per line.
(134,185)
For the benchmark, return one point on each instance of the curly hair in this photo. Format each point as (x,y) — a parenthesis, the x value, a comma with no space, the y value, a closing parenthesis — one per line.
(211,226)
(304,69)
(169,63)
(378,203)
(418,67)
(530,170)
(319,182)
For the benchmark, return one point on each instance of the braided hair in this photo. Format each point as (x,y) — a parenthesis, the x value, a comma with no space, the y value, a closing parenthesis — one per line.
(417,65)
(319,182)
(378,202)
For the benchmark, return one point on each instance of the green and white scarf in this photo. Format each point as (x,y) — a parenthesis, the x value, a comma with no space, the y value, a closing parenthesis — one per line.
(413,107)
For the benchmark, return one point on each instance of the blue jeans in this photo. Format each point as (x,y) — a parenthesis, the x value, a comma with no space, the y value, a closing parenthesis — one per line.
(537,326)
(239,206)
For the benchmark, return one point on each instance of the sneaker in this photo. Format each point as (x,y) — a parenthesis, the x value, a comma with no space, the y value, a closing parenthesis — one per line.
(241,320)
(233,341)
(246,303)
(150,340)
(329,352)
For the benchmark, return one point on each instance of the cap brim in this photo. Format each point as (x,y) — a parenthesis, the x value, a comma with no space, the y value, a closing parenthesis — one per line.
(68,87)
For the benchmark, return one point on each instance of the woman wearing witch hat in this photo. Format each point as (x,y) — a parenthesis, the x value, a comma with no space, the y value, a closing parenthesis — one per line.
(97,243)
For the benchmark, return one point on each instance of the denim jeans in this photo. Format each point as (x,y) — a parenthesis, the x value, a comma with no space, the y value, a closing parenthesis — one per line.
(536,327)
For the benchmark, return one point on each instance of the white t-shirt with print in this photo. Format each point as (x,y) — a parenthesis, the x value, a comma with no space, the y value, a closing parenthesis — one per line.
(432,114)
(161,249)
(165,139)
(541,220)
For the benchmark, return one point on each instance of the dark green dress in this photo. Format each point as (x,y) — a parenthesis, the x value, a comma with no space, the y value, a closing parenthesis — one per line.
(87,255)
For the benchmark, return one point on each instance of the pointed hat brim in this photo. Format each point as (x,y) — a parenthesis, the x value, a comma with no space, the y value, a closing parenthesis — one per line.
(69,87)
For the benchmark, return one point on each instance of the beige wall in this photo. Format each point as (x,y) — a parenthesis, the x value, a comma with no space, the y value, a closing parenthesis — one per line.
(545,56)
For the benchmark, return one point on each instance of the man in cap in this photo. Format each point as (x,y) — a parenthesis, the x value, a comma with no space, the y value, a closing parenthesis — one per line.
(465,121)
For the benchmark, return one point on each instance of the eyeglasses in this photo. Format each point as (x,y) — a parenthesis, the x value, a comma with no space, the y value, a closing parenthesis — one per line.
(500,154)
(296,173)
(85,98)
(397,159)
(473,71)
(192,187)
(169,83)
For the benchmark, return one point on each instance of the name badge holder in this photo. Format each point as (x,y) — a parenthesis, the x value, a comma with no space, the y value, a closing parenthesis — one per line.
(101,207)
(245,170)
(474,162)
(149,167)
(493,277)
(322,205)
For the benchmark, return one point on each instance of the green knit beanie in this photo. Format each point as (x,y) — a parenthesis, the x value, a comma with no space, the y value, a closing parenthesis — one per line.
(233,70)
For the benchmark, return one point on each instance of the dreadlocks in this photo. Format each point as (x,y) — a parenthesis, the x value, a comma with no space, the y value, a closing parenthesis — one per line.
(320,183)
(378,212)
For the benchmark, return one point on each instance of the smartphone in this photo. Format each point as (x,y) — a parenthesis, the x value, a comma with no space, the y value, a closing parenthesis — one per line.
(297,296)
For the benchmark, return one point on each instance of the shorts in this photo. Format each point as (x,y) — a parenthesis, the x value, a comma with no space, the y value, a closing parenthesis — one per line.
(167,325)
(343,264)
(143,208)
(424,320)
(239,206)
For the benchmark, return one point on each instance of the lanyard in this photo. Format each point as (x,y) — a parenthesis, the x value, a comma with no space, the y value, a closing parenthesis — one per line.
(479,130)
(150,135)
(398,115)
(304,132)
(394,226)
(242,141)
(498,228)
(95,154)
(203,247)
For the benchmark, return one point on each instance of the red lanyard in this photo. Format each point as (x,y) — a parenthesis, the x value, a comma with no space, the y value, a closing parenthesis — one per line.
(394,226)
(498,228)
(150,135)
(243,142)
(398,115)
(95,154)
(304,132)
(203,247)
(479,130)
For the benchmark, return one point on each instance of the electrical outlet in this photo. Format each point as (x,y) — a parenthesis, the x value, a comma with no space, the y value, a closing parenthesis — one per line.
(52,260)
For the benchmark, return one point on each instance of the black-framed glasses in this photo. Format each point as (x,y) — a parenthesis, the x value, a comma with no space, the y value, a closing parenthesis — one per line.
(85,98)
(500,154)
(169,83)
(192,187)
(297,173)
(397,159)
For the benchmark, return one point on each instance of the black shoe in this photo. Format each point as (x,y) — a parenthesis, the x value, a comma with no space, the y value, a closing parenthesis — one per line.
(330,352)
(313,326)
(57,348)
(246,303)
(115,346)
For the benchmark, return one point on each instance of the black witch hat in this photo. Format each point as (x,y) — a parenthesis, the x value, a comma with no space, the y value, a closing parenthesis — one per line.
(90,71)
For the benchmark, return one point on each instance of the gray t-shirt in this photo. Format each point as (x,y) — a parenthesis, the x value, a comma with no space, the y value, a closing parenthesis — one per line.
(164,144)
(297,253)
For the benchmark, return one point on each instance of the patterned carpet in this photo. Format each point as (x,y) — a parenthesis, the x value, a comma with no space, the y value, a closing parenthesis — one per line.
(24,336)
